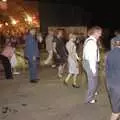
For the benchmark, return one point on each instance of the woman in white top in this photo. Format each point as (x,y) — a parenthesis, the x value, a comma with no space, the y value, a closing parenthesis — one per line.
(73,59)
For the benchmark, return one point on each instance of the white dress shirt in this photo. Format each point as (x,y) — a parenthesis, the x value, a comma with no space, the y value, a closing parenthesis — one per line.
(91,52)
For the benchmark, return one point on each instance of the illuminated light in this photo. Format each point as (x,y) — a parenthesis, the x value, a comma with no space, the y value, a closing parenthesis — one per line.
(34,17)
(6,24)
(25,19)
(4,0)
(28,19)
(13,22)
(1,25)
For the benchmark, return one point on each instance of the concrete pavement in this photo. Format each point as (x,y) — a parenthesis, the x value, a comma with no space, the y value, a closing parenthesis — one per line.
(50,99)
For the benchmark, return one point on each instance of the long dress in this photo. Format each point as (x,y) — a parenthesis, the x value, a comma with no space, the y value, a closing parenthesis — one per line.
(113,78)
(72,58)
(61,51)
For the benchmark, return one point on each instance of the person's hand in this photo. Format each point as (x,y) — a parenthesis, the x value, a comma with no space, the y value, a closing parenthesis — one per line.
(34,58)
(39,37)
(78,59)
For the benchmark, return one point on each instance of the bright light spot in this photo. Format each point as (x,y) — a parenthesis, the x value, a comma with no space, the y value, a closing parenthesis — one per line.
(28,18)
(4,0)
(25,19)
(1,25)
(34,17)
(6,24)
(14,22)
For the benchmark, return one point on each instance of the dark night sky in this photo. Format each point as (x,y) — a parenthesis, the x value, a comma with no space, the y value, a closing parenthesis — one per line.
(104,13)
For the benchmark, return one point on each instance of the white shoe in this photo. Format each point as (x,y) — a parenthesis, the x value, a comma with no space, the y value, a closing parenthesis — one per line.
(92,101)
(60,76)
(16,73)
(115,116)
(96,93)
(45,62)
(53,66)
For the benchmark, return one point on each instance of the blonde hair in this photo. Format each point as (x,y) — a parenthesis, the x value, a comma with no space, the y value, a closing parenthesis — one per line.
(72,36)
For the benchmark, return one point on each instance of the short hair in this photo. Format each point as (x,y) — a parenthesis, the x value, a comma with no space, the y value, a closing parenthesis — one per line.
(72,35)
(117,31)
(94,29)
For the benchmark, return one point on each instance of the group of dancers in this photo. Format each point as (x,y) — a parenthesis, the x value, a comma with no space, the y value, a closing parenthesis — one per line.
(63,51)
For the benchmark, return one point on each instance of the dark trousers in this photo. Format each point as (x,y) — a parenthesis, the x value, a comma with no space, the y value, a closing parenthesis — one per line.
(114,97)
(7,66)
(33,69)
(92,81)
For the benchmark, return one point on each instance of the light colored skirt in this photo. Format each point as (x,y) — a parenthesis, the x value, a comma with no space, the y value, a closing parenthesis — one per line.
(73,66)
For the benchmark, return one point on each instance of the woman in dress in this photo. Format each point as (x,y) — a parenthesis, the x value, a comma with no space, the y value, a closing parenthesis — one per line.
(5,58)
(59,52)
(73,59)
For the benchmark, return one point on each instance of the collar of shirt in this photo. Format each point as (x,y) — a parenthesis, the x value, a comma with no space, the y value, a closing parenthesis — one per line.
(93,38)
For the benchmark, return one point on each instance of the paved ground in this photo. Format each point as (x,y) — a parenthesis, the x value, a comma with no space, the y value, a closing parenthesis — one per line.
(49,99)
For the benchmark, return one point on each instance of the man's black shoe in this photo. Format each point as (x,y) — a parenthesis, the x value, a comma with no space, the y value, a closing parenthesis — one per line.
(33,81)
(9,78)
(75,86)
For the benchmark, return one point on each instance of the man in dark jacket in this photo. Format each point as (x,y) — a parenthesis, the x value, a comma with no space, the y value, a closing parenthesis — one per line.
(32,54)
(113,79)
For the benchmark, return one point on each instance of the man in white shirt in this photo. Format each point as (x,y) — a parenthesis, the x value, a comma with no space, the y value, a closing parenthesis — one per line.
(90,61)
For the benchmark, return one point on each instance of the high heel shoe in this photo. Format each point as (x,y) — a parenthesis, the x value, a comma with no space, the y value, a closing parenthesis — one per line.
(75,86)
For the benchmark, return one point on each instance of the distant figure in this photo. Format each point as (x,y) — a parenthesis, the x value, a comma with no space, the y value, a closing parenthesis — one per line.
(32,54)
(79,43)
(5,58)
(60,53)
(113,79)
(2,39)
(117,37)
(73,59)
(90,61)
(49,46)
(13,60)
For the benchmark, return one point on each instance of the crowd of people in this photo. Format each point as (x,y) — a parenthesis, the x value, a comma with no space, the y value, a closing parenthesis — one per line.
(10,39)
(70,50)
